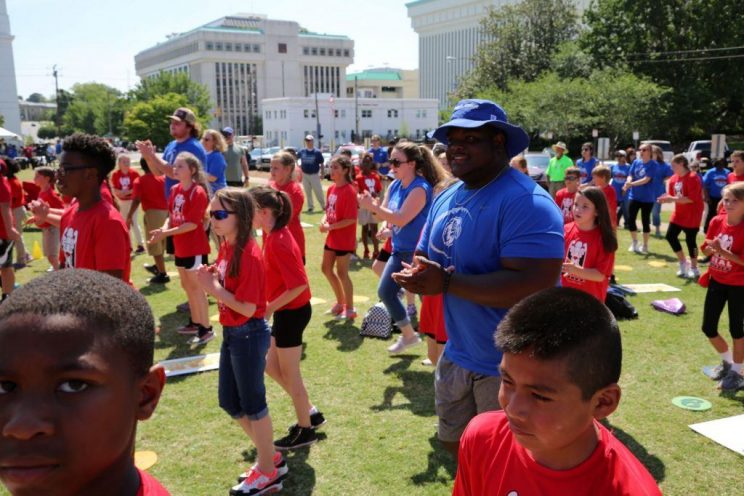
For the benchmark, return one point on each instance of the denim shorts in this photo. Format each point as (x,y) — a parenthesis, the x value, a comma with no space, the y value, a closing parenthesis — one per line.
(241,388)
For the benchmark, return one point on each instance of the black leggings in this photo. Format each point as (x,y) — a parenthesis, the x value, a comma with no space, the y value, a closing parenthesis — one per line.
(672,236)
(645,208)
(717,296)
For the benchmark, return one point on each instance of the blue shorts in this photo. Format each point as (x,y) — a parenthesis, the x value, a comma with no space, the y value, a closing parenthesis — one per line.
(241,388)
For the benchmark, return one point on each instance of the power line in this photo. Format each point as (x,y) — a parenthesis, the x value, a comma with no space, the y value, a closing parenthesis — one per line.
(686,59)
(679,52)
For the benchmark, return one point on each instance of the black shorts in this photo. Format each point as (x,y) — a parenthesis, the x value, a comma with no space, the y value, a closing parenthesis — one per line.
(339,253)
(170,248)
(289,325)
(384,255)
(192,263)
(235,184)
(6,253)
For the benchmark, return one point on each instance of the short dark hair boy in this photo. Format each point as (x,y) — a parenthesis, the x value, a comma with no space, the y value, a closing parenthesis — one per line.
(84,339)
(559,375)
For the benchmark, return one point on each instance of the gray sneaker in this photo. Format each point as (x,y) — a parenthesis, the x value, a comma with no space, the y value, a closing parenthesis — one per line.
(718,372)
(402,344)
(732,381)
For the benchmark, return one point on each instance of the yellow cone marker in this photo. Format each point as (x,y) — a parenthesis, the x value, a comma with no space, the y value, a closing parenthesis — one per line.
(656,263)
(145,459)
(317,301)
(623,268)
(36,252)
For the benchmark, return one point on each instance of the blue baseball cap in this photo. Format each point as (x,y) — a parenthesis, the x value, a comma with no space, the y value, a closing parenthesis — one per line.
(228,131)
(477,113)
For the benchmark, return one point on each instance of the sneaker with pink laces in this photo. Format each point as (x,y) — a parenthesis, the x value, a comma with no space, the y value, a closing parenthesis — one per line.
(279,463)
(349,314)
(335,310)
(258,483)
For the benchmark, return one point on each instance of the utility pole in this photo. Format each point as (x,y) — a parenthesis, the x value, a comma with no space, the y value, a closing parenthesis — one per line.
(317,121)
(56,93)
(356,108)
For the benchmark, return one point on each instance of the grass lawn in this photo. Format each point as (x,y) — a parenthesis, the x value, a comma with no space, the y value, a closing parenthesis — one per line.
(381,436)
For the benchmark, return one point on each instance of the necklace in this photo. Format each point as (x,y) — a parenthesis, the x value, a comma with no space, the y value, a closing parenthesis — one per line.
(469,198)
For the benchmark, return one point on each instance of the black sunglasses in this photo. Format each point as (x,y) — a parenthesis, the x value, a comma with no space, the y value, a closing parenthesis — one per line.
(220,214)
(63,171)
(396,163)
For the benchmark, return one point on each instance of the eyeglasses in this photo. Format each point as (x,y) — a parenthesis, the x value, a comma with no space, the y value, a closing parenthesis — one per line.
(220,214)
(396,163)
(63,171)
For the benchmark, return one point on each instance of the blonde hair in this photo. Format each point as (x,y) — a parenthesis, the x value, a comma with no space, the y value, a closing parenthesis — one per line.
(218,141)
(195,166)
(736,189)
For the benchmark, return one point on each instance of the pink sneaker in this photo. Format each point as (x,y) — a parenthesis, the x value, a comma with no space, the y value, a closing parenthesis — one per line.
(335,310)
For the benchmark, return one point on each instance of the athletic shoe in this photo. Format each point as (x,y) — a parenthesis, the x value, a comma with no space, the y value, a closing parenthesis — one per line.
(258,483)
(402,345)
(426,362)
(279,463)
(188,329)
(375,254)
(643,250)
(684,269)
(202,337)
(633,247)
(152,269)
(350,314)
(140,249)
(411,310)
(705,260)
(183,307)
(19,265)
(366,254)
(50,269)
(693,273)
(335,310)
(719,371)
(296,437)
(159,279)
(732,381)
(317,419)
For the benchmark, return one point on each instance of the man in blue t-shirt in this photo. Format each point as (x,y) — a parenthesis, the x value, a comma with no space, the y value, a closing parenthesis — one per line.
(488,242)
(379,155)
(713,182)
(311,163)
(586,163)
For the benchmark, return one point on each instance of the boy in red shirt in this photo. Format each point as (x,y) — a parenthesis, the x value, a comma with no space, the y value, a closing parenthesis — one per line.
(737,164)
(44,179)
(559,378)
(8,234)
(368,180)
(601,176)
(76,348)
(565,196)
(122,182)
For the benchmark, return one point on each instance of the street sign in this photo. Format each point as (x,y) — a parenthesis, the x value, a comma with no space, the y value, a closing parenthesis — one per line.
(603,148)
(717,146)
(636,135)
(595,133)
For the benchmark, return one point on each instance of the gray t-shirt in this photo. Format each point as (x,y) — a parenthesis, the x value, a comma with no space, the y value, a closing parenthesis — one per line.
(233,154)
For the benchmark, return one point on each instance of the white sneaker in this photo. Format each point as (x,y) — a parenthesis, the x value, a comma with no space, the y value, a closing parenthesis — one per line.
(633,246)
(693,273)
(257,483)
(402,345)
(684,269)
(643,250)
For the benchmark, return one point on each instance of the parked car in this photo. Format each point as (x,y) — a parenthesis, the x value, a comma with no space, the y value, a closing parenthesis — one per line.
(701,148)
(537,164)
(665,146)
(266,154)
(356,150)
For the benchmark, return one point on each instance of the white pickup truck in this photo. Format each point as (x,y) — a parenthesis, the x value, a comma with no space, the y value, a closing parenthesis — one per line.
(700,149)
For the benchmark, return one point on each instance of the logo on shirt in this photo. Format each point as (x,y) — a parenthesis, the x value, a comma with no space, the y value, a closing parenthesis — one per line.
(678,190)
(641,172)
(452,222)
(178,204)
(69,244)
(576,254)
(332,208)
(370,183)
(452,231)
(720,263)
(221,271)
(125,182)
(567,208)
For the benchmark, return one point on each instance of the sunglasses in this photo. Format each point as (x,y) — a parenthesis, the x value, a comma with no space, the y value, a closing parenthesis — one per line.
(396,163)
(63,171)
(220,214)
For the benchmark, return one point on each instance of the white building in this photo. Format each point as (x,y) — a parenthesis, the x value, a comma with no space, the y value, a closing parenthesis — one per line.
(245,58)
(449,35)
(8,89)
(288,120)
(383,82)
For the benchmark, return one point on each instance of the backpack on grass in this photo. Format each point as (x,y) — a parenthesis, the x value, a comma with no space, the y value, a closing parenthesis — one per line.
(619,305)
(377,323)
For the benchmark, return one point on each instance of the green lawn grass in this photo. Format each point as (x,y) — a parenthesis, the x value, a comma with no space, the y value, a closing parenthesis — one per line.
(381,436)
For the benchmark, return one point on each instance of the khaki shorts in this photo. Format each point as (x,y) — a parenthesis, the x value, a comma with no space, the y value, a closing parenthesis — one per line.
(460,395)
(50,241)
(154,219)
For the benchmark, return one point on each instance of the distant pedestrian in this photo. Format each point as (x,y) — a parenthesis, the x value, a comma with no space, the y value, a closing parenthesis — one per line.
(587,162)
(237,171)
(642,196)
(215,166)
(663,172)
(311,163)
(619,176)
(556,171)
(713,183)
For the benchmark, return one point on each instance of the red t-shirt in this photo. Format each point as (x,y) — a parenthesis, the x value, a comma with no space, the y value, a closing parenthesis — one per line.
(492,462)
(96,239)
(249,286)
(106,193)
(733,178)
(17,196)
(51,198)
(189,206)
(611,196)
(584,249)
(149,486)
(284,268)
(5,197)
(690,186)
(565,201)
(150,189)
(297,197)
(341,204)
(124,182)
(369,183)
(732,239)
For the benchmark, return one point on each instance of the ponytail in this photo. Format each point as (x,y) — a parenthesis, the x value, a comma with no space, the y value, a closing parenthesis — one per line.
(277,201)
(427,165)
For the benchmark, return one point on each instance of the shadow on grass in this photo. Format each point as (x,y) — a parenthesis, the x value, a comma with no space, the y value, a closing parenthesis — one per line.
(345,332)
(152,289)
(664,257)
(652,462)
(437,459)
(417,386)
(178,344)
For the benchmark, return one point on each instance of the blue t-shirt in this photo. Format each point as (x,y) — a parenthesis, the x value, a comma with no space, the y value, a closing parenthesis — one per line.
(714,180)
(191,145)
(639,170)
(586,169)
(380,156)
(472,230)
(310,160)
(663,171)
(216,166)
(406,237)
(619,175)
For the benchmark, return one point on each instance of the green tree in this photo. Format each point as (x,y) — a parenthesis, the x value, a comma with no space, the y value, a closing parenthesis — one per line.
(47,132)
(2,120)
(149,119)
(196,94)
(36,98)
(95,109)
(521,40)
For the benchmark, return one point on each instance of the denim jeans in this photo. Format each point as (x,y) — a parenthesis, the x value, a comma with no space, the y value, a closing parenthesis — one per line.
(241,388)
(656,214)
(388,289)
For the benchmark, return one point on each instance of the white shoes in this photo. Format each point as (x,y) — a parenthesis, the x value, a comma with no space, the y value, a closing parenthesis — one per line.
(402,344)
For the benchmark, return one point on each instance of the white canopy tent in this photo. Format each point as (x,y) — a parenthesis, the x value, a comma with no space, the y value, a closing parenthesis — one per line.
(9,135)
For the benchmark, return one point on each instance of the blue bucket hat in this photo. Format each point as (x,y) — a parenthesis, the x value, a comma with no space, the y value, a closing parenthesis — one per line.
(477,113)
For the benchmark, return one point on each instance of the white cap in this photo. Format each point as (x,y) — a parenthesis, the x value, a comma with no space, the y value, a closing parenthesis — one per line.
(309,137)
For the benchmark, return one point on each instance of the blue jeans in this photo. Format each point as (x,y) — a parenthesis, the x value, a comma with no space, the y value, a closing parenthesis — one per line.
(388,289)
(656,215)
(241,388)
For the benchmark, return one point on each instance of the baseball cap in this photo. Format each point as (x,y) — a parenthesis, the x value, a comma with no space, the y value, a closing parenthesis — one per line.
(228,131)
(184,115)
(309,137)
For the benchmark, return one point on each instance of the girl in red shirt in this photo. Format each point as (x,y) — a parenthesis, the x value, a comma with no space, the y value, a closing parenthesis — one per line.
(187,208)
(724,243)
(590,244)
(340,222)
(369,180)
(685,190)
(282,169)
(288,300)
(237,281)
(17,202)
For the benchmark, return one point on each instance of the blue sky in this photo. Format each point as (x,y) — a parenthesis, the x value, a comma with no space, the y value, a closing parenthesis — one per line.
(96,40)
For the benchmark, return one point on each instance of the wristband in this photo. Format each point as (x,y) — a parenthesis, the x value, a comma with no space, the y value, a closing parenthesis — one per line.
(446,277)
